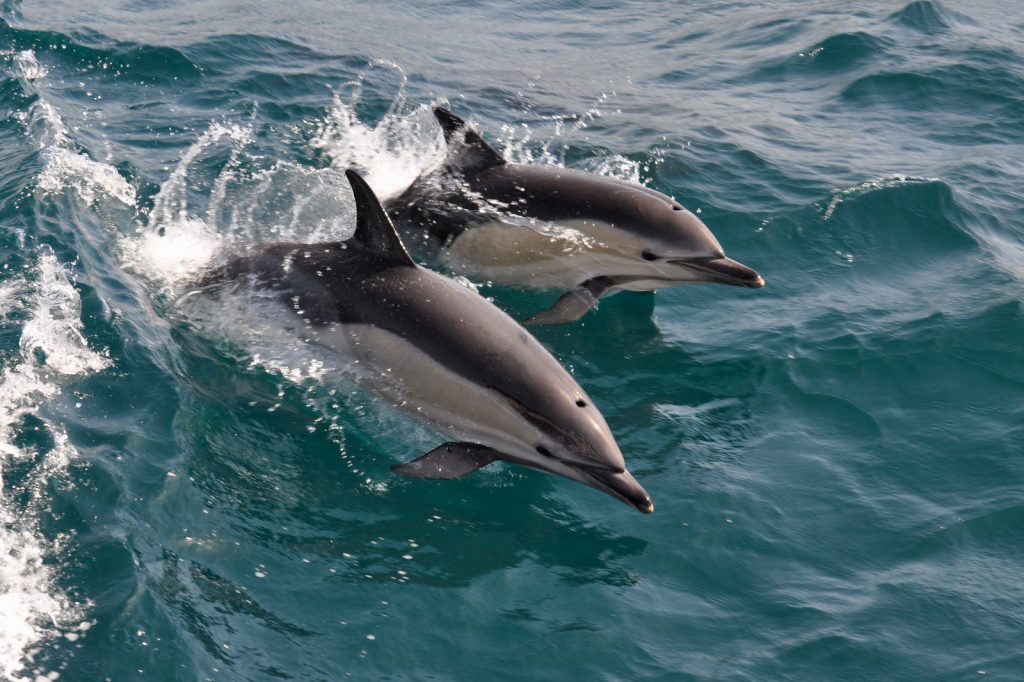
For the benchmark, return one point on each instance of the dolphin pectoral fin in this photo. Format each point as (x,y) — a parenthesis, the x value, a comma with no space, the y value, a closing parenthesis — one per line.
(572,305)
(448,462)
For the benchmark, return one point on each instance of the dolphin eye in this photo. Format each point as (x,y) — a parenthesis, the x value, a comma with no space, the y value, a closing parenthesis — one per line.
(677,207)
(581,403)
(647,255)
(544,451)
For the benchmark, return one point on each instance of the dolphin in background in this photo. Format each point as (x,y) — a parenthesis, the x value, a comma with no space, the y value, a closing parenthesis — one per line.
(506,223)
(438,350)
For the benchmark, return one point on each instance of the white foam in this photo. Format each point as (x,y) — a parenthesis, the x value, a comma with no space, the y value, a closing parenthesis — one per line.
(92,180)
(53,350)
(45,125)
(28,67)
(181,251)
(391,154)
(55,330)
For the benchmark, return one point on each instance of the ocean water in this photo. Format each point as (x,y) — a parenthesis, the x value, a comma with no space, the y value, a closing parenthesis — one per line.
(837,460)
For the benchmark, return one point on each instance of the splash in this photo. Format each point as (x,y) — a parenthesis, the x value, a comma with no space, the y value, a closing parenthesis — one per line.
(521,146)
(250,321)
(171,204)
(404,144)
(615,166)
(248,325)
(242,202)
(407,142)
(53,351)
(549,145)
(179,239)
(172,256)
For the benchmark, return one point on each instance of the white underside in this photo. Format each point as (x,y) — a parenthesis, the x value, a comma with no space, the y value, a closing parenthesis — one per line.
(544,257)
(428,391)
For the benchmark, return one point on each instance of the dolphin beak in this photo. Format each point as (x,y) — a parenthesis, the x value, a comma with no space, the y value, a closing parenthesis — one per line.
(620,485)
(723,271)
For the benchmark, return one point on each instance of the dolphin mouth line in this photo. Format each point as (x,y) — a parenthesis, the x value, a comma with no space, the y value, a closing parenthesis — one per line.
(723,270)
(620,485)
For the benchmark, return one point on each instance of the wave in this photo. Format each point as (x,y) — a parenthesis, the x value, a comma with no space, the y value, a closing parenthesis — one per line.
(138,63)
(903,217)
(961,88)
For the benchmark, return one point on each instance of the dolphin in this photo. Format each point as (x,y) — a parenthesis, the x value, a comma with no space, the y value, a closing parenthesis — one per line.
(439,350)
(505,222)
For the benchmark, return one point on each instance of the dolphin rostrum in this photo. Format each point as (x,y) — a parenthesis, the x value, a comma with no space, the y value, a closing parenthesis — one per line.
(547,227)
(439,350)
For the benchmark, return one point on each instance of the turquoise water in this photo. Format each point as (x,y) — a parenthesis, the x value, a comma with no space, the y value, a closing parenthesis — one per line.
(836,459)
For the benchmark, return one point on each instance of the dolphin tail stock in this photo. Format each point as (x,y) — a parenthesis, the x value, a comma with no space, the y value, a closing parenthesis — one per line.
(476,155)
(448,462)
(574,304)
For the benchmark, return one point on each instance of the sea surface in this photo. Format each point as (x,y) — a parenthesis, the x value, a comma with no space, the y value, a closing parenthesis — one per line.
(837,460)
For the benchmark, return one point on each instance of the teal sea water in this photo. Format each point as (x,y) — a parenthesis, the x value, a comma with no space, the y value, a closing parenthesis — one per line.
(837,460)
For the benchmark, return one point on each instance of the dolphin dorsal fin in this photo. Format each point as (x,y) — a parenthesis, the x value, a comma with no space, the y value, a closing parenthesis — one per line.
(374,230)
(450,123)
(476,155)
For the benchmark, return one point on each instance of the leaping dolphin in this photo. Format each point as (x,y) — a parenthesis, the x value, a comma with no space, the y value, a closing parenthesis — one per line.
(440,351)
(505,222)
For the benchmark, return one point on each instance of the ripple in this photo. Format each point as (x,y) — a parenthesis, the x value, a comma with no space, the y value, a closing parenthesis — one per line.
(961,89)
(926,16)
(828,58)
